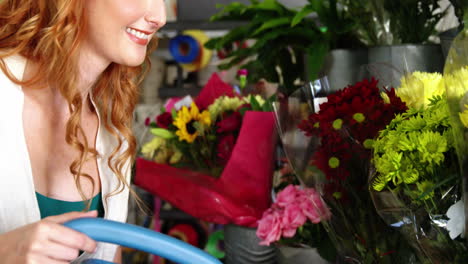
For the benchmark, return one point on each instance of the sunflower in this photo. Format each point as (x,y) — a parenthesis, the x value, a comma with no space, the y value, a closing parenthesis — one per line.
(188,122)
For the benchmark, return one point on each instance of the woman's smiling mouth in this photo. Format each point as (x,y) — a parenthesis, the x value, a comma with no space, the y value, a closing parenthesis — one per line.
(138,36)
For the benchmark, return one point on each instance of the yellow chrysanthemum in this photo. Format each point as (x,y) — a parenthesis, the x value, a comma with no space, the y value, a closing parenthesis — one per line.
(176,156)
(223,104)
(185,122)
(416,89)
(151,147)
(456,83)
(160,151)
(258,98)
(431,147)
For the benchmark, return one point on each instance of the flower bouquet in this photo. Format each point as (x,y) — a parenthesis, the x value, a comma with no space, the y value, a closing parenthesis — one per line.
(293,220)
(456,72)
(346,125)
(416,181)
(212,157)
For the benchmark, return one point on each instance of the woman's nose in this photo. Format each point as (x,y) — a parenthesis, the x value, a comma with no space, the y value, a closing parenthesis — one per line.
(156,14)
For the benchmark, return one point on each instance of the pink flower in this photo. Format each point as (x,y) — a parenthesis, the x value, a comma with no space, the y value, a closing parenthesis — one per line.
(286,196)
(293,207)
(314,207)
(269,226)
(293,218)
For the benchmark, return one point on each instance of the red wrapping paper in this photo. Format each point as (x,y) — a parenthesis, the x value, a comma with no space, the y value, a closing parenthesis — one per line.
(242,192)
(214,88)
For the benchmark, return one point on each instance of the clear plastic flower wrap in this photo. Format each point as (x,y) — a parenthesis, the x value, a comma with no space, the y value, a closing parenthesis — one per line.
(334,158)
(414,179)
(456,85)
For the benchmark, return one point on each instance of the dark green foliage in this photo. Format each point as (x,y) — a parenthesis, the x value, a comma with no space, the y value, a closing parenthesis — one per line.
(283,38)
(278,52)
(389,22)
(460,6)
(413,21)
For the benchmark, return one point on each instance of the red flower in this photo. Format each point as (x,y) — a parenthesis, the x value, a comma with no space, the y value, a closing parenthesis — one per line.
(164,120)
(231,123)
(340,151)
(335,191)
(344,122)
(364,99)
(225,147)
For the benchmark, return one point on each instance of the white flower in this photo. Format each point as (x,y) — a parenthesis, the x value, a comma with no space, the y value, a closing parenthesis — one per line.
(456,222)
(186,101)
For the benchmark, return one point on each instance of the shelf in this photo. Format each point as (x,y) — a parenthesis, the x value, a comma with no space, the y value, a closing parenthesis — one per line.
(174,214)
(167,92)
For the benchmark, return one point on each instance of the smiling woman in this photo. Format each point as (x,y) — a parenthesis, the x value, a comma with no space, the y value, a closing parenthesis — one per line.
(69,76)
(115,26)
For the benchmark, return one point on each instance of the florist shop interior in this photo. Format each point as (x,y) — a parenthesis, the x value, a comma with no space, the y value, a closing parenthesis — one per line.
(306,131)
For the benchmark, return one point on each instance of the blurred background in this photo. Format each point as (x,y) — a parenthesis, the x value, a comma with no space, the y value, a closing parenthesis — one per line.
(344,50)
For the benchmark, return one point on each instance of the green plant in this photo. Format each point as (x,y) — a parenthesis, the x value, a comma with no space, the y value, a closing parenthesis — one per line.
(283,36)
(413,21)
(337,24)
(279,47)
(369,18)
(389,22)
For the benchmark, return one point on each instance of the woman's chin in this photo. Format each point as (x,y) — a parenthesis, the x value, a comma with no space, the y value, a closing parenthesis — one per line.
(133,60)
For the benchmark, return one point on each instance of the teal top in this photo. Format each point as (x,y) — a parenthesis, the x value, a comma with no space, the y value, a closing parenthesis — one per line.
(49,206)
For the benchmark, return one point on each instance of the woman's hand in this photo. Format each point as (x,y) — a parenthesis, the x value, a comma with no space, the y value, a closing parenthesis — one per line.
(46,241)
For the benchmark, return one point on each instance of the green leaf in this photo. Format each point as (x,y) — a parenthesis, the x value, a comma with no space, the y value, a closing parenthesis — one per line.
(231,11)
(272,24)
(162,133)
(268,105)
(242,110)
(200,128)
(302,14)
(316,55)
(269,5)
(439,184)
(174,113)
(327,250)
(254,103)
(236,34)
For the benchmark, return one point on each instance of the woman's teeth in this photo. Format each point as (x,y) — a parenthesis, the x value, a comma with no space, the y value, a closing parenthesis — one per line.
(137,34)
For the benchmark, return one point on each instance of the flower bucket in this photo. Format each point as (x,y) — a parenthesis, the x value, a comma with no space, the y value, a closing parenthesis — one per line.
(390,63)
(292,255)
(344,67)
(242,246)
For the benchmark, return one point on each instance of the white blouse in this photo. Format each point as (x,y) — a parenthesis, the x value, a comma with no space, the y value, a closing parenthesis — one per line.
(18,204)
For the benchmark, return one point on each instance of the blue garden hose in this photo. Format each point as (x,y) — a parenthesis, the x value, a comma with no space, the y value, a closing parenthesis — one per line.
(140,238)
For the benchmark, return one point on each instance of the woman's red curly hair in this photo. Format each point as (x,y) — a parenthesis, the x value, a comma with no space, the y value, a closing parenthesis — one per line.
(50,32)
